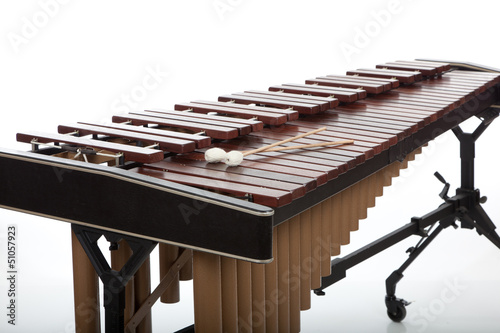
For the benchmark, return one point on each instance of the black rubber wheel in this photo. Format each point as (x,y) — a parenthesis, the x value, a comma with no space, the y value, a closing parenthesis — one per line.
(400,313)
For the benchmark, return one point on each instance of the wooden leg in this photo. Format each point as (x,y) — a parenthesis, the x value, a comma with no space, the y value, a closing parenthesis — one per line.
(294,273)
(315,246)
(207,292)
(380,183)
(283,278)
(244,286)
(411,156)
(305,260)
(404,164)
(363,199)
(229,295)
(336,224)
(86,291)
(387,172)
(356,199)
(258,298)
(372,190)
(345,216)
(271,272)
(186,272)
(396,166)
(326,233)
(142,289)
(168,255)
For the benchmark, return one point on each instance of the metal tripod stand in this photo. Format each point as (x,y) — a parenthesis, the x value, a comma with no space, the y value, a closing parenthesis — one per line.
(464,206)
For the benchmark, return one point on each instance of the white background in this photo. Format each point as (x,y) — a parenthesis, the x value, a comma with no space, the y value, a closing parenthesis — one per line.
(78,61)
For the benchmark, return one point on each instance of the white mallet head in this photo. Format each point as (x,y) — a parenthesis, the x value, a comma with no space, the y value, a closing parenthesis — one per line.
(233,158)
(215,155)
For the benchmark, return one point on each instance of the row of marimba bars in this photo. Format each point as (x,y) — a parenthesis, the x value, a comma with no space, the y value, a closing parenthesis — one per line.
(233,295)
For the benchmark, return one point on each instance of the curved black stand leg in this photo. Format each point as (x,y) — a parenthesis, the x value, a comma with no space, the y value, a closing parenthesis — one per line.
(396,307)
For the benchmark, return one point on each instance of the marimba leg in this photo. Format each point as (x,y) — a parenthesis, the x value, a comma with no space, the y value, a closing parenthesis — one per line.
(86,290)
(142,289)
(380,183)
(396,166)
(387,172)
(345,218)
(244,287)
(294,272)
(362,201)
(326,215)
(315,247)
(229,295)
(305,260)
(355,211)
(207,292)
(283,277)
(168,255)
(336,224)
(271,276)
(258,298)
(186,272)
(372,190)
(404,164)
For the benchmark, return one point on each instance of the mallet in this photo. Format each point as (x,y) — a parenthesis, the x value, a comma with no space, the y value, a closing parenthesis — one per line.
(234,158)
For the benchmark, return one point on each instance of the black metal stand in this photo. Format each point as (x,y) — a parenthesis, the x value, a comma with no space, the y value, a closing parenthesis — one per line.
(464,206)
(114,281)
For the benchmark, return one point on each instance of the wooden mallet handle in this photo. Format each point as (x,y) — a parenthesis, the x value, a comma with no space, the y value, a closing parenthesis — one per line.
(312,145)
(248,152)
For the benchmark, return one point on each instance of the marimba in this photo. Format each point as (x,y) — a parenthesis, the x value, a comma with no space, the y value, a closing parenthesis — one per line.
(257,238)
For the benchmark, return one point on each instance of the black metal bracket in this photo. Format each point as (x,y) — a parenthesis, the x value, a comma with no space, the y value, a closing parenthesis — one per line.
(464,206)
(114,282)
(417,226)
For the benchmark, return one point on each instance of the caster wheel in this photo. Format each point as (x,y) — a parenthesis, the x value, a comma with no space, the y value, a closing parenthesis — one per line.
(400,313)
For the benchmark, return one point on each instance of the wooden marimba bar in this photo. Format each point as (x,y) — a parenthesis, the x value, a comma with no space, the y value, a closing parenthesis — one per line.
(318,195)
